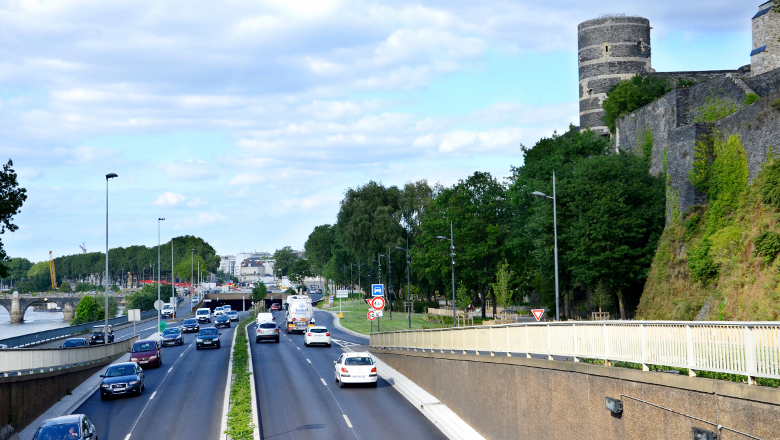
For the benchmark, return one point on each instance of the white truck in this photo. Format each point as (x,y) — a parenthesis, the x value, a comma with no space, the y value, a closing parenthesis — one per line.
(300,313)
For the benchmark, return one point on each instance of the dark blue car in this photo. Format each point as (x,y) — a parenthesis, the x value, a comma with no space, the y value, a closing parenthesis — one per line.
(222,321)
(121,379)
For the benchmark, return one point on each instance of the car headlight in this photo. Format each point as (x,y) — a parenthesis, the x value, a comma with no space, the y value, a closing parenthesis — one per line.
(152,357)
(106,385)
(133,382)
(199,340)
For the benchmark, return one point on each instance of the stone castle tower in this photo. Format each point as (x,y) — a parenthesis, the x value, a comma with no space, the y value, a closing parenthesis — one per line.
(612,48)
(765,55)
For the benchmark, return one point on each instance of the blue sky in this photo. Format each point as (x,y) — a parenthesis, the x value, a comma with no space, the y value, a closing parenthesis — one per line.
(245,122)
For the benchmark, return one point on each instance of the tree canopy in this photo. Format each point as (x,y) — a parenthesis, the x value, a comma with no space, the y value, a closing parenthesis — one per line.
(11,199)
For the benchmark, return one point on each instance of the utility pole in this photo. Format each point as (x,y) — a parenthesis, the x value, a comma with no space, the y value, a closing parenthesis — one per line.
(390,282)
(105,330)
(192,272)
(159,280)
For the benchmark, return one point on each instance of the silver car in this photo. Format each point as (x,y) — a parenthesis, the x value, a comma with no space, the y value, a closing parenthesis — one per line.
(267,331)
(74,426)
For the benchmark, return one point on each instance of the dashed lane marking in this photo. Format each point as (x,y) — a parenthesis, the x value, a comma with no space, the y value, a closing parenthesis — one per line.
(152,397)
(308,361)
(347,419)
(323,382)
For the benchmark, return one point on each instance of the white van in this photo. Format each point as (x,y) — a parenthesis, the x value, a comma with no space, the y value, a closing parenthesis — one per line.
(203,315)
(265,317)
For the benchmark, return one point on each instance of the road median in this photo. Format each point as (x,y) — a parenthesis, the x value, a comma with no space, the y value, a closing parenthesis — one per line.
(241,416)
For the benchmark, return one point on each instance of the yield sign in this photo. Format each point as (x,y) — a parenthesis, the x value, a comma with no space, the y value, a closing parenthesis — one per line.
(377,303)
(371,315)
(538,313)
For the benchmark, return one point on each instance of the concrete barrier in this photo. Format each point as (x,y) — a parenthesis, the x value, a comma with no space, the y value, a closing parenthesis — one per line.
(24,398)
(520,398)
(38,360)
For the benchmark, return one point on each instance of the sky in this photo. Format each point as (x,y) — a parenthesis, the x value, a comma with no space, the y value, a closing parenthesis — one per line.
(244,122)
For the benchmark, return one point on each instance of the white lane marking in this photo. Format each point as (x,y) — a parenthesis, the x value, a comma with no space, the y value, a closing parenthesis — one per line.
(342,344)
(347,419)
(128,437)
(171,369)
(323,382)
(153,394)
(308,361)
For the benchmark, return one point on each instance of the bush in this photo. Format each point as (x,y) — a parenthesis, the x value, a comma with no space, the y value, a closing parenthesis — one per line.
(715,109)
(751,98)
(770,185)
(767,245)
(629,95)
(700,262)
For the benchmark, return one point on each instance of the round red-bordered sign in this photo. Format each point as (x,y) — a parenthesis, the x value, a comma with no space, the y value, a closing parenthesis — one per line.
(378,303)
(371,315)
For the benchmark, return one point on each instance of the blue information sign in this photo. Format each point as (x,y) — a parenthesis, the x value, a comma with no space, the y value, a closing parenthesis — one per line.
(377,290)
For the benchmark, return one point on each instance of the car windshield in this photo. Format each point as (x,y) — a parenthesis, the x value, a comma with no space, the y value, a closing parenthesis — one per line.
(221,317)
(120,370)
(73,343)
(171,331)
(358,361)
(202,312)
(208,332)
(144,346)
(57,432)
(267,325)
(319,330)
(232,312)
(97,329)
(189,322)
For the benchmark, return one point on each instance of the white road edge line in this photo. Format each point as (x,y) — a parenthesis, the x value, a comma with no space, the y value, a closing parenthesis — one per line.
(347,419)
(128,437)
(323,382)
(255,412)
(153,394)
(226,402)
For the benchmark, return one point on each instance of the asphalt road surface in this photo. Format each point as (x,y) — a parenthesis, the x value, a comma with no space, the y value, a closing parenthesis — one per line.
(298,397)
(183,399)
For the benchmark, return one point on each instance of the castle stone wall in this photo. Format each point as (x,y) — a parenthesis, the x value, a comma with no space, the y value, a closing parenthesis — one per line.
(720,87)
(659,117)
(764,84)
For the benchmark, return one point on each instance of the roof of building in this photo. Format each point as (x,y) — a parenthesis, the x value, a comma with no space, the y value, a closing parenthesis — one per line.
(758,50)
(761,12)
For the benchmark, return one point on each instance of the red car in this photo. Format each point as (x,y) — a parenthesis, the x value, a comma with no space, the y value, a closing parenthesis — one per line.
(146,352)
(275,307)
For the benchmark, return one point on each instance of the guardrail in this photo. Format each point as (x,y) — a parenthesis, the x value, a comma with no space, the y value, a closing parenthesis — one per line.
(19,360)
(751,349)
(48,335)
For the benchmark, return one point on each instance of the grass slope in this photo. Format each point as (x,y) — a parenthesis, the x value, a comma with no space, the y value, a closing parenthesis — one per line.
(355,318)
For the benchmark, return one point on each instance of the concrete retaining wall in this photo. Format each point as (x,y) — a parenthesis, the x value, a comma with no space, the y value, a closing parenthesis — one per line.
(24,398)
(513,397)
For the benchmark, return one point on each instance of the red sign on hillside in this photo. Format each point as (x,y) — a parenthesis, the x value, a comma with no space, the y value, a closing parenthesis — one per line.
(538,313)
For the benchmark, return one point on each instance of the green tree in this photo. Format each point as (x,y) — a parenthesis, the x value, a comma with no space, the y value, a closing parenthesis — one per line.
(502,287)
(18,267)
(87,310)
(300,270)
(617,216)
(631,94)
(65,286)
(113,306)
(144,299)
(11,199)
(259,292)
(284,258)
(319,247)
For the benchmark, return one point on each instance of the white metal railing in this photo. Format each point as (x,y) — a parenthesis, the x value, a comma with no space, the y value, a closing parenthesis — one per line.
(37,359)
(751,349)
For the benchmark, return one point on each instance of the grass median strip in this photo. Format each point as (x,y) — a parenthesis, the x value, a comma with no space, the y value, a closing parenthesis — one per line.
(355,318)
(240,425)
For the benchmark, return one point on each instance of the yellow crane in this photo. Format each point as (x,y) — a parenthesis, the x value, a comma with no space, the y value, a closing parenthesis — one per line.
(52,272)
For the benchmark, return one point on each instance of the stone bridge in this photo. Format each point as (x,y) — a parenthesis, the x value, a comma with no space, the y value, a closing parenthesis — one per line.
(17,304)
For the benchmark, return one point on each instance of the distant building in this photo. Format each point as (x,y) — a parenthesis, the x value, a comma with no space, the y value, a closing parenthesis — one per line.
(227,264)
(251,270)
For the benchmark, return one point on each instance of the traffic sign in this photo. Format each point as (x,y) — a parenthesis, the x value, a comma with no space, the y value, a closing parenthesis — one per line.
(372,315)
(537,313)
(342,293)
(379,313)
(377,303)
(377,290)
(134,315)
(159,304)
(330,299)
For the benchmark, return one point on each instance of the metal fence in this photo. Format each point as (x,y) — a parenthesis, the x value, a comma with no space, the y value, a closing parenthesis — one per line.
(751,349)
(21,360)
(48,335)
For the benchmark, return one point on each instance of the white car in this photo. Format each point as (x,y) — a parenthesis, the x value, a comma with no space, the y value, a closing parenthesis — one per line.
(317,335)
(203,315)
(219,311)
(355,368)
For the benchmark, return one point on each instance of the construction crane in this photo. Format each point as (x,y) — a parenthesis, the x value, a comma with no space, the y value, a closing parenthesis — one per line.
(84,250)
(52,272)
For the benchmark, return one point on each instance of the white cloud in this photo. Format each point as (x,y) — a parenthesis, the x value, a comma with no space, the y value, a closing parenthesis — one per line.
(192,169)
(169,199)
(209,218)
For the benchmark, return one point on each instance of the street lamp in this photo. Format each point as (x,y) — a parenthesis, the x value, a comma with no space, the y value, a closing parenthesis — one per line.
(159,312)
(192,272)
(452,256)
(408,288)
(555,234)
(105,330)
(390,282)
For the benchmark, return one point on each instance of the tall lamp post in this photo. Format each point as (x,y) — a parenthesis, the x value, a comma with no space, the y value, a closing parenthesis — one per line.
(452,256)
(555,234)
(105,330)
(192,272)
(159,312)
(408,284)
(390,282)
(173,279)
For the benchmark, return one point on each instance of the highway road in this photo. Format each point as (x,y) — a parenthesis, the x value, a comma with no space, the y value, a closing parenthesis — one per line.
(298,397)
(183,398)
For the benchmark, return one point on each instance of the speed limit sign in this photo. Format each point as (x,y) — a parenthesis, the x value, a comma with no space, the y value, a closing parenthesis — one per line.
(371,315)
(377,303)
